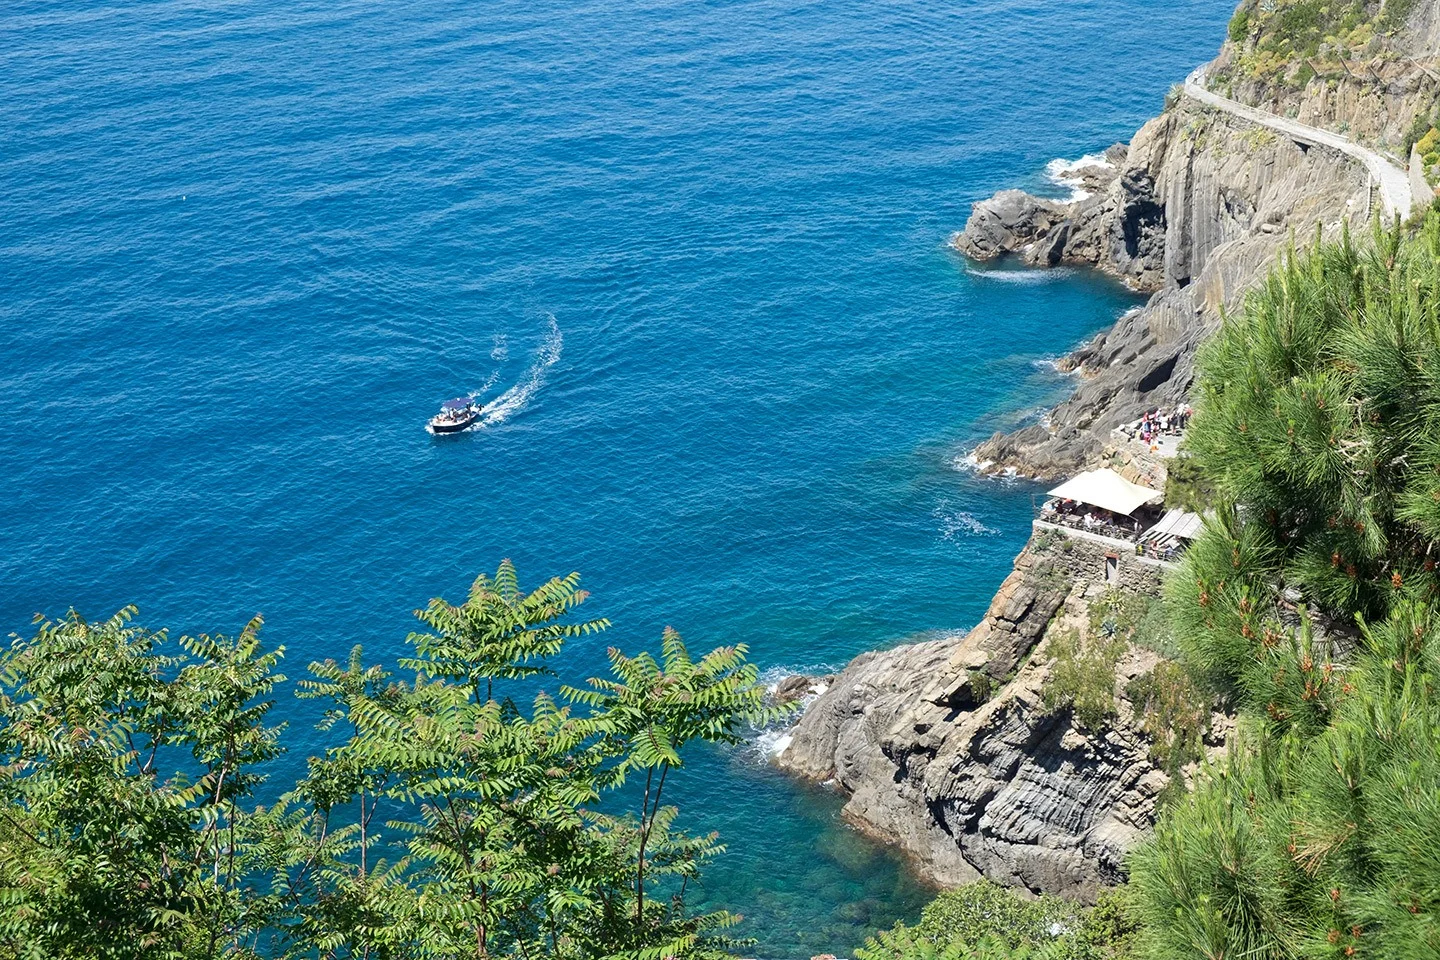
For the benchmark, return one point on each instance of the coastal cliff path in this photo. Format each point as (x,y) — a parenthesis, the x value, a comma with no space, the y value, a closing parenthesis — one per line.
(1393,180)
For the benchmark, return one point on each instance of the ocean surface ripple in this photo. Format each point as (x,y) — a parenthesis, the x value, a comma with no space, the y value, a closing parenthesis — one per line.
(693,257)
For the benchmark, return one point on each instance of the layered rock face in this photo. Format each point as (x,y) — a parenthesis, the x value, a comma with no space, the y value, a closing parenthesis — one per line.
(946,748)
(1200,206)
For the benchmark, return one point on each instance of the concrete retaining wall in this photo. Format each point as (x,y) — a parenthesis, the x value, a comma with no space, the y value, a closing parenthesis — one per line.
(1097,559)
(1424,193)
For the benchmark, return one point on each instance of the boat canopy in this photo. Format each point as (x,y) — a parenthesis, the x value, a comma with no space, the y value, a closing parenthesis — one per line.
(459,403)
(1106,489)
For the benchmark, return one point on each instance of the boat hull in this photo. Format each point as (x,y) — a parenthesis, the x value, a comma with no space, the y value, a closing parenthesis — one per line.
(437,425)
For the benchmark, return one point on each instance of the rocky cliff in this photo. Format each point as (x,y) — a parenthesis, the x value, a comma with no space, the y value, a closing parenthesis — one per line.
(953,748)
(1364,68)
(1199,206)
(948,749)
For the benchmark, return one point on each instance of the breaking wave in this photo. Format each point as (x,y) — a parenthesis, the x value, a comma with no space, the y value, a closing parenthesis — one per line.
(969,463)
(1052,365)
(1069,174)
(767,743)
(1030,277)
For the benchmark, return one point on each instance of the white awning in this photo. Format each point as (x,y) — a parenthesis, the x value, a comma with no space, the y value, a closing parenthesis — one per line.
(1176,523)
(1107,490)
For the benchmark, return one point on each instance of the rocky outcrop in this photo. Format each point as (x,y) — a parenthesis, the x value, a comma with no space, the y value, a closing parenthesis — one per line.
(1010,220)
(1201,205)
(1204,201)
(946,748)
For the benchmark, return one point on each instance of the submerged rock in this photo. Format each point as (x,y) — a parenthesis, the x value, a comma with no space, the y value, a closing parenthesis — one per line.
(799,687)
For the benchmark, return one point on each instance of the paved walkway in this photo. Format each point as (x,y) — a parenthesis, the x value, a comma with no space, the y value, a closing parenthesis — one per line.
(1393,180)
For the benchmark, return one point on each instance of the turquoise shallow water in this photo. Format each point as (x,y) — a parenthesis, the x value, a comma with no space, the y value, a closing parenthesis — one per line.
(695,253)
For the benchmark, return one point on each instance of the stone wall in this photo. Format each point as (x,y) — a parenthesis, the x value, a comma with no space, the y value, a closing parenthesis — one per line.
(1084,557)
(1423,192)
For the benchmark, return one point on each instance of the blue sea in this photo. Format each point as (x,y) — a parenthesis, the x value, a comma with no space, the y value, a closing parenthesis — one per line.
(692,256)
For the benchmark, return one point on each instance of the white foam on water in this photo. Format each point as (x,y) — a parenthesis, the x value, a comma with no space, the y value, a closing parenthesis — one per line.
(485,387)
(771,677)
(517,398)
(1031,416)
(1071,173)
(767,743)
(1052,365)
(771,743)
(969,463)
(1031,277)
(501,349)
(960,524)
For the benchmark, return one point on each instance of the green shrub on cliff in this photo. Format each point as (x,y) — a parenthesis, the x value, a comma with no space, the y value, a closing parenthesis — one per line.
(1281,41)
(1082,676)
(1240,24)
(984,921)
(1082,669)
(977,913)
(1173,712)
(1318,422)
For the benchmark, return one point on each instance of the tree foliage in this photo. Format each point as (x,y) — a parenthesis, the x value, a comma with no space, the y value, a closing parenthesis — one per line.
(984,921)
(1319,424)
(1314,844)
(1310,600)
(441,820)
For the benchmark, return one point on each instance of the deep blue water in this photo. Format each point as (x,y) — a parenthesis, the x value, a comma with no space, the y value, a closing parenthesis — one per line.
(693,253)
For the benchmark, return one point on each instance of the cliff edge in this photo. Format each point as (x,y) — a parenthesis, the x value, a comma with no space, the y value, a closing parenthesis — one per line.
(956,749)
(966,750)
(1202,202)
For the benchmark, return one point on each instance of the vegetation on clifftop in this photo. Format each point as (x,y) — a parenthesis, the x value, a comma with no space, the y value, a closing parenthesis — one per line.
(1082,662)
(1311,603)
(1293,39)
(1319,424)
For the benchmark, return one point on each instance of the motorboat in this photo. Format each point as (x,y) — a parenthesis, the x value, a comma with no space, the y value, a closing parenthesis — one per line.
(455,415)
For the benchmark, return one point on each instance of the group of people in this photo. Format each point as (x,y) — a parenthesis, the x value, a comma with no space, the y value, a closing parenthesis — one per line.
(1072,513)
(455,415)
(1168,550)
(1157,423)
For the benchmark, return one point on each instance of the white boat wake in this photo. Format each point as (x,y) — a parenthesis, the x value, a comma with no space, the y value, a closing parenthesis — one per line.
(517,398)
